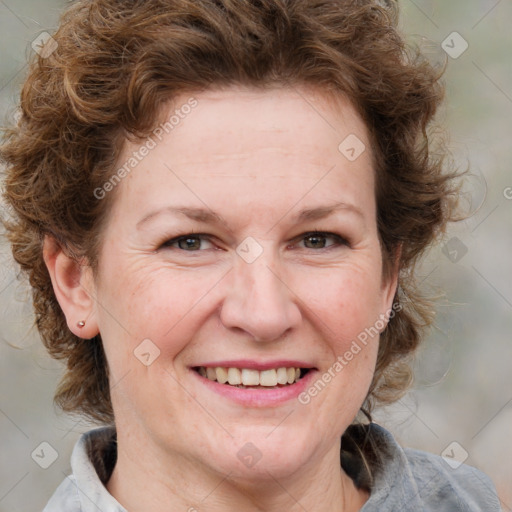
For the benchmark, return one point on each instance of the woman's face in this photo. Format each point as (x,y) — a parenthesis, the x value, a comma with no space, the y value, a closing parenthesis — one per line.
(243,238)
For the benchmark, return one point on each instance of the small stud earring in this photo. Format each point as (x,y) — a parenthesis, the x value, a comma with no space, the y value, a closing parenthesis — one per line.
(80,324)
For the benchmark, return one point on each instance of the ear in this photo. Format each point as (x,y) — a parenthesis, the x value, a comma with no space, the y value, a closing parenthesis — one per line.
(390,282)
(73,285)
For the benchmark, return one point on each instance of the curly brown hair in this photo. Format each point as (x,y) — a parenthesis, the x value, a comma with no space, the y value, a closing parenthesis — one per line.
(117,61)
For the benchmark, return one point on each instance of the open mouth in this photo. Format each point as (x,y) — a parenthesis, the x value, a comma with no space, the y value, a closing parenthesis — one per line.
(246,378)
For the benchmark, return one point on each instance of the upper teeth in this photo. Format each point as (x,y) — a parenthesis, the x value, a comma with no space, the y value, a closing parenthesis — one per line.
(247,377)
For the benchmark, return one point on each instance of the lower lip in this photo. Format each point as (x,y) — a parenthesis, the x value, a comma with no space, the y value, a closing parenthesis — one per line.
(252,397)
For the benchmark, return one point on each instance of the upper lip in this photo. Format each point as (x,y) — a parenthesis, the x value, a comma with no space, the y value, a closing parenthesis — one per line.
(257,365)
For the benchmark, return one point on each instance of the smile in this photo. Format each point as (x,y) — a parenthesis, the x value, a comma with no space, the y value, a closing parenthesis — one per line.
(250,378)
(251,383)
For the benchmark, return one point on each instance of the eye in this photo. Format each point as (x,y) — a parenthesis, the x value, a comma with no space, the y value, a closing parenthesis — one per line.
(191,242)
(319,240)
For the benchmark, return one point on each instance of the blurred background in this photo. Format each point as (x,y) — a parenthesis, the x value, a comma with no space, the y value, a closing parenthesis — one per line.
(461,403)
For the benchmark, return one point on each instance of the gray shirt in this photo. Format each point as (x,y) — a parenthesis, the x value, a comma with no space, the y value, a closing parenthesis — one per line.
(402,480)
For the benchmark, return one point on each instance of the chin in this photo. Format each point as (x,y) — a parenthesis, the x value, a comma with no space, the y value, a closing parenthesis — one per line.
(264,455)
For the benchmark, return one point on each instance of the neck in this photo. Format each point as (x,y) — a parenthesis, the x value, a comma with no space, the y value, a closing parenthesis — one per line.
(142,479)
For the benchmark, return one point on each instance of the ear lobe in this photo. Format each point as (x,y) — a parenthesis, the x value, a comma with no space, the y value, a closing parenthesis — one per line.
(73,286)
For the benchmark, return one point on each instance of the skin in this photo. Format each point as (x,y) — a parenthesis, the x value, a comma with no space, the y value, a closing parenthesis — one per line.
(256,158)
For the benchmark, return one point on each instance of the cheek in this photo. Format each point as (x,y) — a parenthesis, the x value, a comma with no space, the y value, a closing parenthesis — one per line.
(347,309)
(154,312)
(347,301)
(158,304)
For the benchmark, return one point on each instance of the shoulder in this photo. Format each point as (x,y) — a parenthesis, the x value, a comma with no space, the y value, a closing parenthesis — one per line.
(412,480)
(446,487)
(65,497)
(91,462)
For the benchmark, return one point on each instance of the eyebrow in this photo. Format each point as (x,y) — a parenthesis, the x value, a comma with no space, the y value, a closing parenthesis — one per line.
(209,217)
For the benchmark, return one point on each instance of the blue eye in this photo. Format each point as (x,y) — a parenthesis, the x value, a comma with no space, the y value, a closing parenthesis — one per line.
(191,242)
(318,240)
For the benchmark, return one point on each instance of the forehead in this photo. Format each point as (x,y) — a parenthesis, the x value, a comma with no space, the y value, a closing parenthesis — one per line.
(231,120)
(271,145)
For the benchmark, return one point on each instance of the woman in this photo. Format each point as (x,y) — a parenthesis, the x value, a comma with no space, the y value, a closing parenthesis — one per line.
(219,205)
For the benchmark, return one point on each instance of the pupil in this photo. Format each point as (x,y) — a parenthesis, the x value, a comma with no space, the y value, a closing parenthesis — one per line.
(318,240)
(191,243)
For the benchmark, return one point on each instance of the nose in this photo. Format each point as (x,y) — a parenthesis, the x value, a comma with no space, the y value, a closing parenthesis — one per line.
(259,301)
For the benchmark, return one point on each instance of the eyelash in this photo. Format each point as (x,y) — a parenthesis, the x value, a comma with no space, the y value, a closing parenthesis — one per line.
(339,240)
